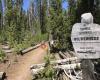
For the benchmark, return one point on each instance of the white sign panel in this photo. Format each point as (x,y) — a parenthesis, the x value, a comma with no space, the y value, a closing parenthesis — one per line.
(86,40)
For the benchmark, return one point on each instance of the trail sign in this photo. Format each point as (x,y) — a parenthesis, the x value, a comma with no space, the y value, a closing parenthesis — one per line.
(86,40)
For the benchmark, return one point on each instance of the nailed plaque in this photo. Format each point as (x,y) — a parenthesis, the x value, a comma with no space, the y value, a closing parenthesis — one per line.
(86,40)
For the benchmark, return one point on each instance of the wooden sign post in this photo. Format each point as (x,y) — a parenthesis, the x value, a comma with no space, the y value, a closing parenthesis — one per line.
(87,70)
(86,42)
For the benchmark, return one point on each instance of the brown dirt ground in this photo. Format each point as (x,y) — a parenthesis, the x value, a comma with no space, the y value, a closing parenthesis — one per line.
(21,70)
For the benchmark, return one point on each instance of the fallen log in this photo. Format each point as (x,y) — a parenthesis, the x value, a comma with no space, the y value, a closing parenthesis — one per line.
(56,62)
(71,77)
(30,49)
(67,54)
(57,56)
(6,47)
(37,66)
(8,51)
(69,66)
(72,53)
(36,71)
(62,55)
(65,60)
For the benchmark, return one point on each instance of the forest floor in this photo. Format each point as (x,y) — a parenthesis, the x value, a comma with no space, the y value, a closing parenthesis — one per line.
(20,70)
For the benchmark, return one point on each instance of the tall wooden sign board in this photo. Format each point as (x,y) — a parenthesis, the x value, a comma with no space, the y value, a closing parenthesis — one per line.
(85,38)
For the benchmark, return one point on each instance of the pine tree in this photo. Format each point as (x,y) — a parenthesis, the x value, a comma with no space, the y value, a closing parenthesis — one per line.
(9,27)
(57,24)
(43,10)
(40,13)
(96,12)
(84,6)
(31,17)
(1,15)
(18,21)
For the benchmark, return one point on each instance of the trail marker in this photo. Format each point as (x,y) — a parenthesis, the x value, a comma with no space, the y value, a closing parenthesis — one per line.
(85,38)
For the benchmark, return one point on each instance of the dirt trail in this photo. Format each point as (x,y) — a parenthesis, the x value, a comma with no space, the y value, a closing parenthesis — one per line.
(21,69)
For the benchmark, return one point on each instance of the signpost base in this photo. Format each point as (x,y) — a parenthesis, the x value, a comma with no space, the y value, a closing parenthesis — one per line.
(88,70)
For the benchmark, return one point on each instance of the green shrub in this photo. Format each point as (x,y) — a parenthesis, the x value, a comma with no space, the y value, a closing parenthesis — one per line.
(2,37)
(2,55)
(30,40)
(40,37)
(48,72)
(18,48)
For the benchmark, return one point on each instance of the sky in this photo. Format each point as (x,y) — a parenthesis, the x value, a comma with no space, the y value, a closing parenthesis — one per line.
(65,5)
(27,3)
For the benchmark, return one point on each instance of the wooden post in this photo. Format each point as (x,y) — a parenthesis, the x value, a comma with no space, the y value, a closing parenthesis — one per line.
(88,70)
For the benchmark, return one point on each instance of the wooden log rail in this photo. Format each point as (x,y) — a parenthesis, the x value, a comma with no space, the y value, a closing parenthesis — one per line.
(30,49)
